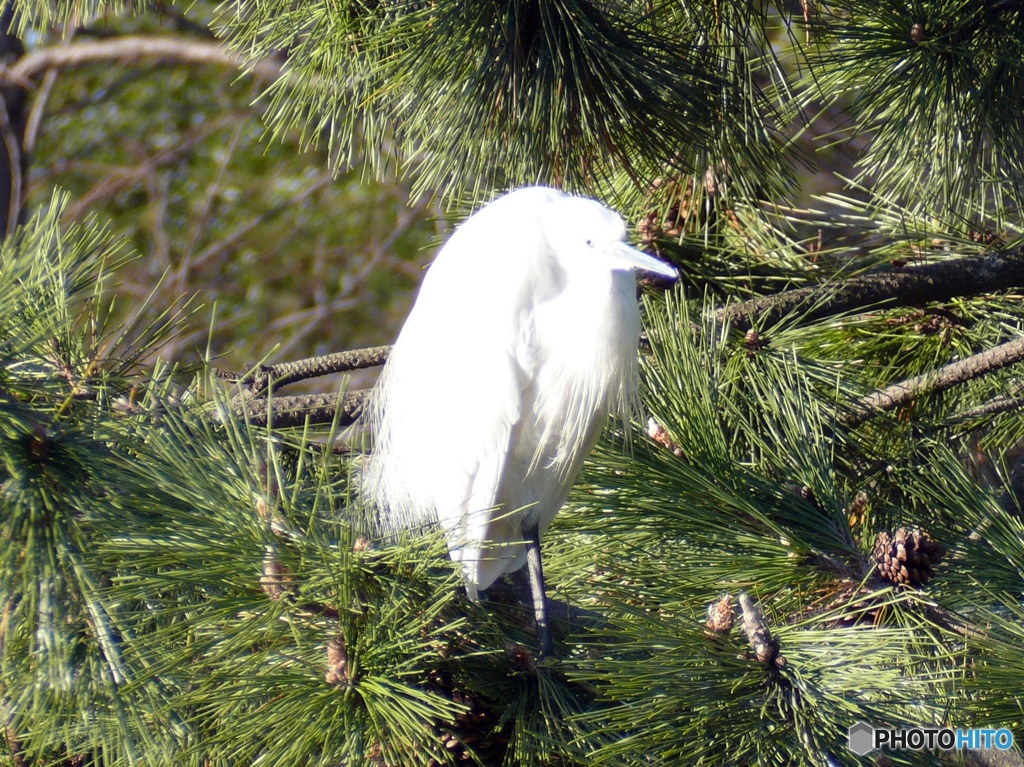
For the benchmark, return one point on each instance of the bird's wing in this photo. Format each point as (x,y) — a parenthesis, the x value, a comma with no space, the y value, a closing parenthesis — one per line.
(489,541)
(451,397)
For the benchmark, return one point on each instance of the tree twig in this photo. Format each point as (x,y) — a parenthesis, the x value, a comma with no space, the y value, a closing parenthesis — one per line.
(15,165)
(907,286)
(992,407)
(903,392)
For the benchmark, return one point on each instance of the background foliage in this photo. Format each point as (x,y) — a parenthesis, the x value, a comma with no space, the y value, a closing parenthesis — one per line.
(182,585)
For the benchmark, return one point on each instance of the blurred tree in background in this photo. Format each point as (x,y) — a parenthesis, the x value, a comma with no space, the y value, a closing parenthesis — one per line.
(820,524)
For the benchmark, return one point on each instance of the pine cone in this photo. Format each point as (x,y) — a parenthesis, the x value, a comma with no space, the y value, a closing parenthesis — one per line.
(907,557)
(277,580)
(858,507)
(720,616)
(658,433)
(648,229)
(474,738)
(754,341)
(337,662)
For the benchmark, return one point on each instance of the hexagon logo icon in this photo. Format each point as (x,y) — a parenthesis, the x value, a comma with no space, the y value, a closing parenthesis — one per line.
(861,738)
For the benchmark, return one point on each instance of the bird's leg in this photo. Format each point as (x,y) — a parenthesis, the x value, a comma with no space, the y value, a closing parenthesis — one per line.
(537,593)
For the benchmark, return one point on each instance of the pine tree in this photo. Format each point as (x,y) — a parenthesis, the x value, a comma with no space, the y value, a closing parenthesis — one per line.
(821,523)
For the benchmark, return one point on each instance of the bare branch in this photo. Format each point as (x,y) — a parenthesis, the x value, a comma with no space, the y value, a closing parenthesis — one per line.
(131,48)
(35,115)
(902,393)
(42,96)
(258,379)
(15,165)
(13,114)
(906,286)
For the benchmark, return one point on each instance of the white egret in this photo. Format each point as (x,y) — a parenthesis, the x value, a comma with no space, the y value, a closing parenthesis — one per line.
(522,341)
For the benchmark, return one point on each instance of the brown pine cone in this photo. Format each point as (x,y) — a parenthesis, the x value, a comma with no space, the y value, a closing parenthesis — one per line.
(907,557)
(720,616)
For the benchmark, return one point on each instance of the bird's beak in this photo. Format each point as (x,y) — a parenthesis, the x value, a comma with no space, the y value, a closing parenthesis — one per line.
(639,260)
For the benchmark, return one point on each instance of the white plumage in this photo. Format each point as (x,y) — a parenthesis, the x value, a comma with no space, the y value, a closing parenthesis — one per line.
(522,341)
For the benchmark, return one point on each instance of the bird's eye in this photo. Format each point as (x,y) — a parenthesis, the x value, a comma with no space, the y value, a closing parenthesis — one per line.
(590,243)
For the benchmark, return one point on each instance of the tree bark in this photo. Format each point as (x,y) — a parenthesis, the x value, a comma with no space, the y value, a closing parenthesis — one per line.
(904,392)
(285,412)
(257,380)
(906,286)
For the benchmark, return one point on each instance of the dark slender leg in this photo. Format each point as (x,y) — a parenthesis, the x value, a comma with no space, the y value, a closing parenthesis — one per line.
(540,599)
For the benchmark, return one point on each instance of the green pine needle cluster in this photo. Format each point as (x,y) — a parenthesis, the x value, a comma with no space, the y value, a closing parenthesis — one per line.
(582,95)
(937,83)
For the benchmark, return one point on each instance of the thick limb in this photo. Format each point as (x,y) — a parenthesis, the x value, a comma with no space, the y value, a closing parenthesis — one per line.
(535,570)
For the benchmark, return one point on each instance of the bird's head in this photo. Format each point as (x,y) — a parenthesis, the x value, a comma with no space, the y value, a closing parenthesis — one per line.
(585,235)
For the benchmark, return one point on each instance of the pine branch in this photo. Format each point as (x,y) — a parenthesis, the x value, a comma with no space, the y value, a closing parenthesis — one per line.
(903,392)
(258,379)
(907,286)
(295,411)
(952,622)
(285,412)
(992,407)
